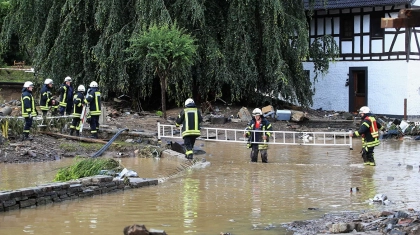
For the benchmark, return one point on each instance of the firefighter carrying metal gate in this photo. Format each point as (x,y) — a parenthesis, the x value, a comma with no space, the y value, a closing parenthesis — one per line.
(277,137)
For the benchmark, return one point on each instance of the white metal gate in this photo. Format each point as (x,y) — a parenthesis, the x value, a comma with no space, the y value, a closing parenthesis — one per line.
(277,137)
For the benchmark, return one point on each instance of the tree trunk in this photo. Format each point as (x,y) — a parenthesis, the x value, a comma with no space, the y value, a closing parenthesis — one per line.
(163,94)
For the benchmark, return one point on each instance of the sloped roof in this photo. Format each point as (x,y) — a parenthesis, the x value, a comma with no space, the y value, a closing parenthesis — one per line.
(337,4)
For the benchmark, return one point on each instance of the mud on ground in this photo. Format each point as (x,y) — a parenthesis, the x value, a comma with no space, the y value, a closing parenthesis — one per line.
(120,115)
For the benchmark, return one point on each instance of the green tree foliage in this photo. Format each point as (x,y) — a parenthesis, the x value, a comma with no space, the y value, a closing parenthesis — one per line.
(245,47)
(168,53)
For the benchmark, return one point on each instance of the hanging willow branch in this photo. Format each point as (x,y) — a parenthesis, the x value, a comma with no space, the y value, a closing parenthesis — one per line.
(245,47)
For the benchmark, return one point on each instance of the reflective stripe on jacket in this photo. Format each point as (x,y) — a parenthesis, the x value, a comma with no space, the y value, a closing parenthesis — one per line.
(266,129)
(28,103)
(370,130)
(78,101)
(46,96)
(190,118)
(94,100)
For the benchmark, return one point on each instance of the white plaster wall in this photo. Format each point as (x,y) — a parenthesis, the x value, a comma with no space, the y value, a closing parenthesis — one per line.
(413,88)
(389,82)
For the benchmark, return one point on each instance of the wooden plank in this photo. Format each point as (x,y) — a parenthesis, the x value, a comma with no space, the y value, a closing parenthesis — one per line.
(90,140)
(392,23)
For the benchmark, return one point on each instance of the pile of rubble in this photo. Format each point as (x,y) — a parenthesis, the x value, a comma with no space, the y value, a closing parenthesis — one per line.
(385,222)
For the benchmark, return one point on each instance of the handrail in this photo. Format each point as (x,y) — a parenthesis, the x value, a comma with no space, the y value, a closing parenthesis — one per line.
(277,137)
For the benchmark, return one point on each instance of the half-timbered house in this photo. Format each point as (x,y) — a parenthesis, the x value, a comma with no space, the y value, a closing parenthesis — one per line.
(377,66)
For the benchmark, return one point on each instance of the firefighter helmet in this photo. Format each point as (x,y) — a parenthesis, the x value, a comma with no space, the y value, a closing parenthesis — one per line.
(256,112)
(28,84)
(93,84)
(81,88)
(364,109)
(67,79)
(189,102)
(48,81)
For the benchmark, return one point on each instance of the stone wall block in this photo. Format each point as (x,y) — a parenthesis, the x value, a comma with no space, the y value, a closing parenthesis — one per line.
(9,203)
(27,203)
(4,196)
(101,178)
(10,208)
(75,188)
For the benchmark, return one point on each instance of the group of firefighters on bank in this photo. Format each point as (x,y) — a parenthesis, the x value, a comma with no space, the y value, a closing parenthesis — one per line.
(71,103)
(258,130)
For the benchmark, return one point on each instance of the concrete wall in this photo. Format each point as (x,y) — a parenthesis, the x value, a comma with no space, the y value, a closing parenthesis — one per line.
(61,191)
(389,83)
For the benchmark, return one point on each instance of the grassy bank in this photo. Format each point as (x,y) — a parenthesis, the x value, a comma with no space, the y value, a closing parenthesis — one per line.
(14,75)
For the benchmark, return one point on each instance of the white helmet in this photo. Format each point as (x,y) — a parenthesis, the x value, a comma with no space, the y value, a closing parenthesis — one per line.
(256,112)
(28,84)
(364,109)
(48,81)
(93,84)
(189,101)
(67,79)
(81,88)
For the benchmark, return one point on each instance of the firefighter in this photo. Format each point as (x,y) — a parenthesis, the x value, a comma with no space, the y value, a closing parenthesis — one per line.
(66,97)
(93,98)
(79,102)
(258,130)
(28,108)
(369,130)
(46,101)
(190,118)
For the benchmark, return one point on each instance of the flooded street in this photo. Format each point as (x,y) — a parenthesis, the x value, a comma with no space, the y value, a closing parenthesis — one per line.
(229,194)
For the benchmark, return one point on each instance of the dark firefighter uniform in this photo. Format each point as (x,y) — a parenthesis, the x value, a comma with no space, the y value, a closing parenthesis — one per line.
(94,100)
(46,99)
(78,103)
(264,128)
(28,111)
(66,99)
(190,118)
(369,130)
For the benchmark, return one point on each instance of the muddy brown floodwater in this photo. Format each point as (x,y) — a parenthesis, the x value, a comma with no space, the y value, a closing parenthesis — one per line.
(228,193)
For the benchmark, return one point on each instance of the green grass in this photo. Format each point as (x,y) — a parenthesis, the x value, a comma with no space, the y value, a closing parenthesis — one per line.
(7,75)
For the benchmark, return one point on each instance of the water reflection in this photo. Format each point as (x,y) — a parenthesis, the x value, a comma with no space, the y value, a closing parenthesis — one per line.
(231,195)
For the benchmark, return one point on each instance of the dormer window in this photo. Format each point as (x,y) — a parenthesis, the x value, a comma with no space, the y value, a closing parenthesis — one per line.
(347,27)
(376,32)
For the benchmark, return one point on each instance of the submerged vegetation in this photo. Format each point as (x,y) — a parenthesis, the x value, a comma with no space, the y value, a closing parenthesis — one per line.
(84,167)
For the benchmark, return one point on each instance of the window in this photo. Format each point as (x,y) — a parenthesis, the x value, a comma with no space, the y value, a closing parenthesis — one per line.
(376,32)
(347,27)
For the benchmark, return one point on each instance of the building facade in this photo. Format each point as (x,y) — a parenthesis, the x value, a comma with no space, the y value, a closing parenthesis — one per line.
(378,67)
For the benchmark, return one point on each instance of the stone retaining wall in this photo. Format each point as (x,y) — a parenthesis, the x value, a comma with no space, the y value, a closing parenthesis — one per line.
(61,191)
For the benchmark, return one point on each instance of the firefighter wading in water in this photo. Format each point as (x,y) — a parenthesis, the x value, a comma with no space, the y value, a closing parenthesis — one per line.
(369,130)
(190,118)
(261,134)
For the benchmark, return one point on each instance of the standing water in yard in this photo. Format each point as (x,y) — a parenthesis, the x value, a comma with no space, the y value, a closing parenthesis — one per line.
(229,193)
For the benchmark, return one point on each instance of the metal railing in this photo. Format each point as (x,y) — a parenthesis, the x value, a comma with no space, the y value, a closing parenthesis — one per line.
(41,121)
(277,137)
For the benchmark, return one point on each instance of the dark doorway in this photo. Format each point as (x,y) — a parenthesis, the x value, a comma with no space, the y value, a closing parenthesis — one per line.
(358,88)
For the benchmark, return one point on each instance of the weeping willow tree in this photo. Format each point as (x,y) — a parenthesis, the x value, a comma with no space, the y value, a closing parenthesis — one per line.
(245,47)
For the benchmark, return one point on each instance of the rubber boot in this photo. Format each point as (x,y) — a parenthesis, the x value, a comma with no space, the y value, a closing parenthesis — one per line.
(364,157)
(77,133)
(371,159)
(94,136)
(189,154)
(26,137)
(71,131)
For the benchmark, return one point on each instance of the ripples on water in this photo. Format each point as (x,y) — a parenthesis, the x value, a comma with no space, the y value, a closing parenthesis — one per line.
(230,194)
